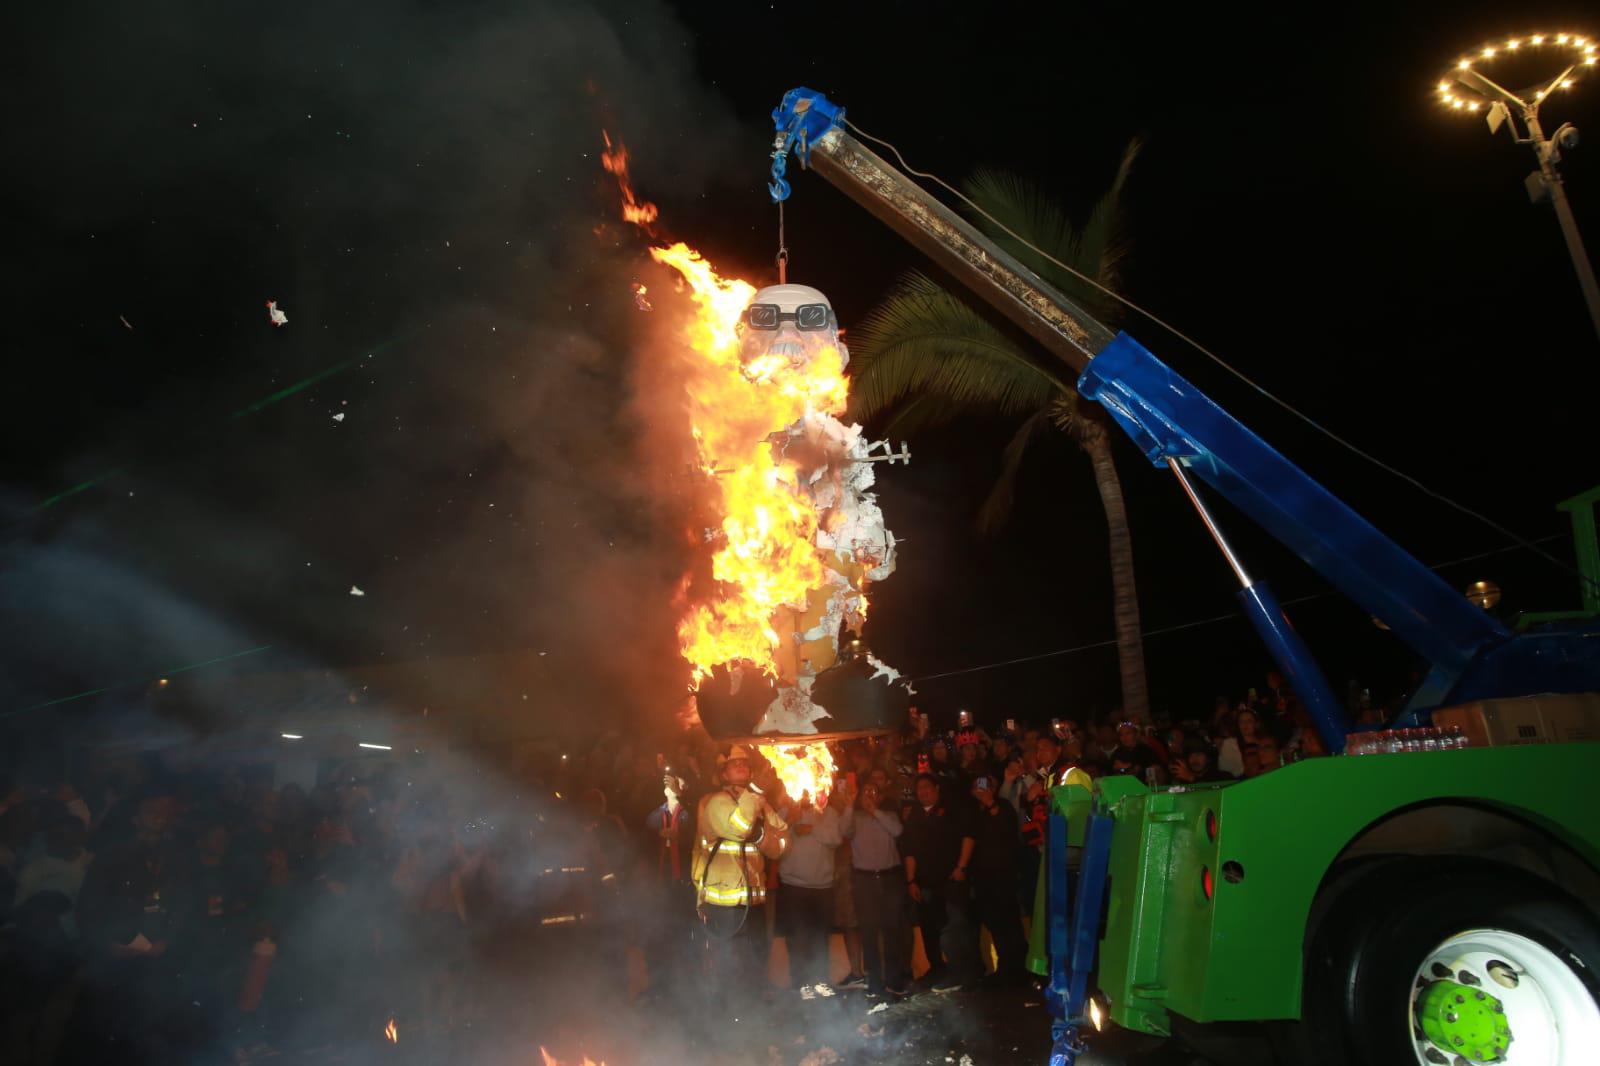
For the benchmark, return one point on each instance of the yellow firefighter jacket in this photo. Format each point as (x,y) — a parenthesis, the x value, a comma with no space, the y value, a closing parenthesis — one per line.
(732,847)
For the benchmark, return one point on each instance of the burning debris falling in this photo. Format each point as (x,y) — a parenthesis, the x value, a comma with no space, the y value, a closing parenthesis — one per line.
(615,159)
(274,315)
(392,1032)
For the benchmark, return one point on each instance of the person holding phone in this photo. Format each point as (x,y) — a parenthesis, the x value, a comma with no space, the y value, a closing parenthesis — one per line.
(806,911)
(878,889)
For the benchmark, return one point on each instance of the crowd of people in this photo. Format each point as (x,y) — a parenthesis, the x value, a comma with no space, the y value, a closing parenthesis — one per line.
(147,917)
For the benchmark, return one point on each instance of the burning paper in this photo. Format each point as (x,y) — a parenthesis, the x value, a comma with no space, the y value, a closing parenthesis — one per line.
(799,536)
(274,315)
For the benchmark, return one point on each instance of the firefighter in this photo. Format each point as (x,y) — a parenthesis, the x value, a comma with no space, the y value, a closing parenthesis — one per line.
(736,832)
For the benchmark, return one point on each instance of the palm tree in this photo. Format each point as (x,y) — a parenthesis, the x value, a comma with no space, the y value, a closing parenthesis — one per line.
(927,357)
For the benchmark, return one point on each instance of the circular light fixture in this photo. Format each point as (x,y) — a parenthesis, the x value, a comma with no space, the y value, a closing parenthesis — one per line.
(1574,49)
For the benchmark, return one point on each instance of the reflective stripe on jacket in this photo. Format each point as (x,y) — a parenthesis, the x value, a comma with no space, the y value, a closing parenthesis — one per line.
(730,867)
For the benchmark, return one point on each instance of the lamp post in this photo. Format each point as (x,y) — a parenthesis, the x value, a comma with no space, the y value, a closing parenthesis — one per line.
(1467,88)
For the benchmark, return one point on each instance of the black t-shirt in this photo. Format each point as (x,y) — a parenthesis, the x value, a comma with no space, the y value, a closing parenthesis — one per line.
(995,841)
(933,838)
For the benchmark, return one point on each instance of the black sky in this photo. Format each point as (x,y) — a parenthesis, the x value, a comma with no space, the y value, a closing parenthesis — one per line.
(419,185)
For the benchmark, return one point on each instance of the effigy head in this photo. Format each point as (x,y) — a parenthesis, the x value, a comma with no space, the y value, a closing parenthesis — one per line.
(791,323)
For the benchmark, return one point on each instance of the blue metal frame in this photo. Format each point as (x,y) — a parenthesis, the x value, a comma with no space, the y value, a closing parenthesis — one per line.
(1072,948)
(802,117)
(1473,655)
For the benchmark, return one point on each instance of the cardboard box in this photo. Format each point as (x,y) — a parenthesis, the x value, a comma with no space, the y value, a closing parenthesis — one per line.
(1551,718)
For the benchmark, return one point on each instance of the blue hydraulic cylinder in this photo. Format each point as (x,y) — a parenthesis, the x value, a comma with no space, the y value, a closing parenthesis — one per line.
(1299,668)
(1168,418)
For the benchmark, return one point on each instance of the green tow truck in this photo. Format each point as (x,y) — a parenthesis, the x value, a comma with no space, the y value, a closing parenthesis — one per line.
(1429,894)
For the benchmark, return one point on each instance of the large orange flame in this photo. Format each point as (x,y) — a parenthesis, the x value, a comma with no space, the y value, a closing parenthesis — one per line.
(765,560)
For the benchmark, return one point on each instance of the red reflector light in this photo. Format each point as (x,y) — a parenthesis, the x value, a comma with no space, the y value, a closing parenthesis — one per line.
(1207,885)
(1211,826)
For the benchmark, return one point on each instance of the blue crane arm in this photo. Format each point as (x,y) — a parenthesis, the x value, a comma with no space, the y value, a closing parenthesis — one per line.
(1473,656)
(1168,418)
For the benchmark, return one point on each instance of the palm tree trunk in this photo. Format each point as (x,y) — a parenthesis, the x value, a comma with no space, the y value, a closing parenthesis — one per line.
(1124,595)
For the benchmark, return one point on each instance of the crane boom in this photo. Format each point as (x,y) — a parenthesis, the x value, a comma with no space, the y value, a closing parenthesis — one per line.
(1176,425)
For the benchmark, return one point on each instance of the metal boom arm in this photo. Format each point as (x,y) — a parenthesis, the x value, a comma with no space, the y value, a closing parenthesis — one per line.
(1176,425)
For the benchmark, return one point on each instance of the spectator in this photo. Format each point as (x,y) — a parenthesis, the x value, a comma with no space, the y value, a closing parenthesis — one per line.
(806,873)
(1132,751)
(994,879)
(879,888)
(1237,752)
(1197,766)
(127,922)
(60,869)
(938,851)
(1265,756)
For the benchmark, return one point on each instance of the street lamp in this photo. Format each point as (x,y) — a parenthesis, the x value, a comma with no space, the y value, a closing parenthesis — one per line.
(1465,87)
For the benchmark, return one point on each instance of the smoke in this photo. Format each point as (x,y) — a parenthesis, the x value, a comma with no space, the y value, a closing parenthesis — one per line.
(419,188)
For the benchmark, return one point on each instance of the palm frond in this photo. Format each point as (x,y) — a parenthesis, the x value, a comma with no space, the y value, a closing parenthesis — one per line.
(1094,251)
(919,413)
(997,506)
(921,341)
(1023,207)
(1103,238)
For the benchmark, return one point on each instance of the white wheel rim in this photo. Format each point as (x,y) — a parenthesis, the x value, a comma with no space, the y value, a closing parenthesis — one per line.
(1554,1019)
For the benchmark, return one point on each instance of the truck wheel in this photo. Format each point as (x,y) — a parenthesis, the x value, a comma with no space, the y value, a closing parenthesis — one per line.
(1474,965)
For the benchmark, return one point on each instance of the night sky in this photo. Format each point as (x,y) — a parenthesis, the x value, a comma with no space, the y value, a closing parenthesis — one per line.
(418,185)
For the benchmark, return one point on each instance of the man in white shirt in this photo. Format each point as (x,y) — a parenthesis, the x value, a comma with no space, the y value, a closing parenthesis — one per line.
(879,885)
(805,907)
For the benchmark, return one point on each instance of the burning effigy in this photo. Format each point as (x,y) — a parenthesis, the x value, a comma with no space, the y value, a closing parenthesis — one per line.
(801,537)
(793,529)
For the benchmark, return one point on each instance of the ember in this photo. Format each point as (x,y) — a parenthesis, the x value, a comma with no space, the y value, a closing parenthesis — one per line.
(551,1060)
(392,1032)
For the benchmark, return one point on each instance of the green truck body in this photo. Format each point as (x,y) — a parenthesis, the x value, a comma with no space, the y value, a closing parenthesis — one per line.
(1237,955)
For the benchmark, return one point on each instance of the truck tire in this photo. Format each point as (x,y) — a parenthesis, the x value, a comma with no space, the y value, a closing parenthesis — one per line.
(1454,962)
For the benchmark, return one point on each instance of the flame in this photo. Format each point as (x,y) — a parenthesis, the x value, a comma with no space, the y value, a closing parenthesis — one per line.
(803,769)
(640,212)
(765,561)
(392,1032)
(551,1060)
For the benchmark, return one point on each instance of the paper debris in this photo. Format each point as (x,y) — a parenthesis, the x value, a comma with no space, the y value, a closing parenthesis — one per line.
(639,299)
(339,417)
(275,316)
(354,591)
(879,1009)
(791,711)
(125,322)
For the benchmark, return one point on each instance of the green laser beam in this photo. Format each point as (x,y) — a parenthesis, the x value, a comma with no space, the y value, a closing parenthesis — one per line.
(142,681)
(250,409)
(285,393)
(81,486)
